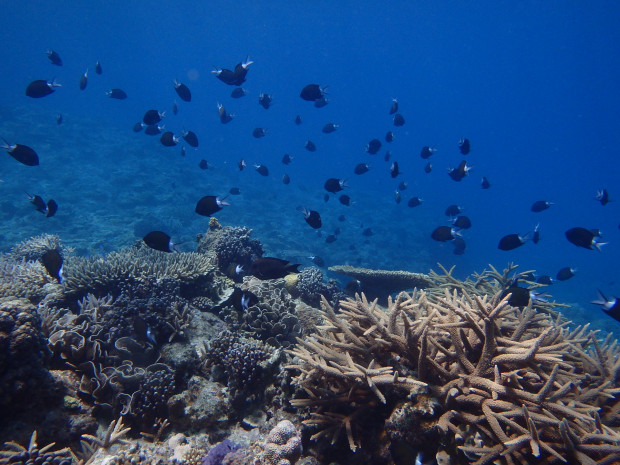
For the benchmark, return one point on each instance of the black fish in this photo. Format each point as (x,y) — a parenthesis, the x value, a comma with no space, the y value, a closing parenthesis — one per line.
(159,240)
(59,119)
(22,153)
(361,168)
(367,232)
(373,146)
(459,246)
(456,174)
(259,132)
(225,117)
(286,159)
(203,164)
(153,117)
(318,261)
(602,196)
(545,279)
(183,91)
(38,202)
(41,88)
(182,151)
(402,186)
(394,107)
(238,92)
(138,127)
(286,179)
(566,273)
(387,156)
(399,120)
(540,205)
(312,92)
(210,204)
(118,94)
(298,120)
(334,185)
(461,222)
(241,164)
(310,146)
(84,80)
(168,139)
(414,202)
(52,208)
(98,68)
(444,234)
(397,197)
(54,57)
(427,151)
(234,191)
(272,268)
(520,296)
(389,136)
(485,184)
(464,146)
(329,128)
(264,100)
(175,108)
(586,238)
(262,170)
(312,218)
(326,197)
(153,129)
(331,238)
(453,210)
(52,261)
(226,76)
(428,168)
(191,138)
(610,306)
(394,171)
(345,200)
(536,234)
(241,71)
(511,241)
(321,102)
(242,300)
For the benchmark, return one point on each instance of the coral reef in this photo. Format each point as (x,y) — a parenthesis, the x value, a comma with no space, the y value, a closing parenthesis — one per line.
(283,445)
(507,384)
(230,246)
(311,287)
(33,454)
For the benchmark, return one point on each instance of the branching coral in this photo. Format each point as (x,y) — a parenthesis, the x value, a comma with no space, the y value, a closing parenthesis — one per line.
(514,385)
(17,454)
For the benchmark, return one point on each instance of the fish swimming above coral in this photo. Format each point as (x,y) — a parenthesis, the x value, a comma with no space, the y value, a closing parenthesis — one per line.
(272,268)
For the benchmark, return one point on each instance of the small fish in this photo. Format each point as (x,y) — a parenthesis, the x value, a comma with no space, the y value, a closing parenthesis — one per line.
(226,76)
(444,234)
(329,128)
(399,120)
(52,208)
(427,152)
(545,279)
(182,91)
(519,296)
(118,94)
(168,139)
(321,102)
(586,238)
(287,159)
(40,88)
(318,261)
(428,168)
(602,196)
(262,170)
(310,146)
(286,179)
(84,80)
(511,241)
(313,218)
(59,119)
(153,117)
(234,191)
(210,204)
(203,164)
(536,234)
(453,210)
(312,92)
(259,132)
(485,184)
(402,186)
(38,202)
(456,174)
(387,156)
(540,205)
(21,153)
(98,68)
(397,197)
(241,71)
(272,268)
(175,108)
(298,120)
(373,146)
(182,153)
(330,239)
(389,136)
(138,126)
(459,246)
(394,107)
(334,185)
(54,57)
(53,262)
(191,138)
(326,198)
(566,273)
(264,100)
(238,92)
(610,306)
(143,331)
(225,117)
(394,171)
(367,232)
(159,240)
(241,164)
(461,222)
(345,200)
(361,168)
(153,129)
(464,146)
(414,202)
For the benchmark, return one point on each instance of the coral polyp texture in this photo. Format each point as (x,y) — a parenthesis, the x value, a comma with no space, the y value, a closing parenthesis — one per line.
(490,382)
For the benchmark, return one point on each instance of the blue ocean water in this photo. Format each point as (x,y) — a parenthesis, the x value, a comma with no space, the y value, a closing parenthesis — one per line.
(533,85)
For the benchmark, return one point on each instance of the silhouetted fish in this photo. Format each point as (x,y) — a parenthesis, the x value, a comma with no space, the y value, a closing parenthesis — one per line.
(334,185)
(225,117)
(41,88)
(152,117)
(329,128)
(373,146)
(428,168)
(610,306)
(566,273)
(464,146)
(312,218)
(168,139)
(286,159)
(52,208)
(262,170)
(210,204)
(602,196)
(298,120)
(98,68)
(22,153)
(485,184)
(427,151)
(361,168)
(399,120)
(238,92)
(272,268)
(394,107)
(414,202)
(443,234)
(191,138)
(389,136)
(312,92)
(159,240)
(54,57)
(511,241)
(264,100)
(453,210)
(84,80)
(586,238)
(286,179)
(345,200)
(118,94)
(182,91)
(259,132)
(53,263)
(540,205)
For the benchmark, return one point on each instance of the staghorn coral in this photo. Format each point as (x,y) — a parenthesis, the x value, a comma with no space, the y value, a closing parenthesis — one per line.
(28,279)
(512,385)
(33,249)
(231,246)
(33,454)
(283,445)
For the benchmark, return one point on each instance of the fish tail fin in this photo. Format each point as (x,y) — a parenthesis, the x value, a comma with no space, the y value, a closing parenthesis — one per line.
(601,300)
(598,245)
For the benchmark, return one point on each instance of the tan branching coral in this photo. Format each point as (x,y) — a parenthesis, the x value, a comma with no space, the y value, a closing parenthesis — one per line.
(513,384)
(15,453)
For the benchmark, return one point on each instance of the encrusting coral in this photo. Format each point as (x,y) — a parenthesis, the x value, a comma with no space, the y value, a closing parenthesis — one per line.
(493,383)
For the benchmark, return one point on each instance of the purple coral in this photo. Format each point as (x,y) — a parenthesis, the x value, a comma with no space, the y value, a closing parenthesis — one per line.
(218,452)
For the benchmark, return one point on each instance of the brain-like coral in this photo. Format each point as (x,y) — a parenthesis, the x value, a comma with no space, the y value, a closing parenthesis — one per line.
(231,246)
(283,445)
